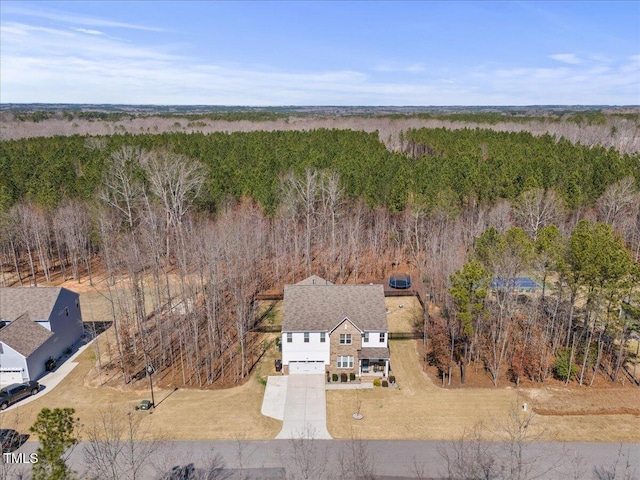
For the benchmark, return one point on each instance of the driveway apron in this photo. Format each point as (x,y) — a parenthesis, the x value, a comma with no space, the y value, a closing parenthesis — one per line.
(305,411)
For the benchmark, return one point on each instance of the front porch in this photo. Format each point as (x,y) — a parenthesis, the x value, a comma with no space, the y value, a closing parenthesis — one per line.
(373,362)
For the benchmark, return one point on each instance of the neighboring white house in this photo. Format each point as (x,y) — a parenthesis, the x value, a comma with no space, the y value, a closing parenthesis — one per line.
(41,323)
(334,328)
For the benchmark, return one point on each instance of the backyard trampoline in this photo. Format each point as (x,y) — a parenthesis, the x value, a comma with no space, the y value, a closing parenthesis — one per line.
(400,281)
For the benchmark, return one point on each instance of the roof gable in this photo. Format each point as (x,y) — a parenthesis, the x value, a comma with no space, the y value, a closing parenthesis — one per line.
(321,307)
(345,319)
(24,335)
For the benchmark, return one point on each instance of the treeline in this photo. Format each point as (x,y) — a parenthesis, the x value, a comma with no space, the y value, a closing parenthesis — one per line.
(182,282)
(484,166)
(187,229)
(441,167)
(488,321)
(483,115)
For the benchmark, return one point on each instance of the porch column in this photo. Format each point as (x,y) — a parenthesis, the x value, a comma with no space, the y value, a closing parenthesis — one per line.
(386,367)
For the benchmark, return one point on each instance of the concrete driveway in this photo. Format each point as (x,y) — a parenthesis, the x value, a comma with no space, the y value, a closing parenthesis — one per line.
(275,396)
(50,380)
(305,410)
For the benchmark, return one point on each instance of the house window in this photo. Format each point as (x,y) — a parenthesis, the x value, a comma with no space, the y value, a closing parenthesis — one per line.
(381,337)
(323,337)
(365,337)
(306,337)
(345,361)
(345,339)
(66,311)
(289,337)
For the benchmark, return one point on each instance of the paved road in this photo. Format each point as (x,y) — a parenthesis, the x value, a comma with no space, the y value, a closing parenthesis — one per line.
(387,458)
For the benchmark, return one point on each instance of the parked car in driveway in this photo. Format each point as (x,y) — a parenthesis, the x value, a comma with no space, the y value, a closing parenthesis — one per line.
(16,392)
(10,440)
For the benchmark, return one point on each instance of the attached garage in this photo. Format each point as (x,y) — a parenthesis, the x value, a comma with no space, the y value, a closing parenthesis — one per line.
(9,376)
(308,366)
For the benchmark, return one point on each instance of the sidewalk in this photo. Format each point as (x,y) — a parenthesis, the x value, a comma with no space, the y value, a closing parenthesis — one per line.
(349,386)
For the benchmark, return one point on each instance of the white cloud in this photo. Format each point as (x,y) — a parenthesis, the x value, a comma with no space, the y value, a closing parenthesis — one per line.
(72,18)
(570,58)
(413,68)
(67,66)
(88,31)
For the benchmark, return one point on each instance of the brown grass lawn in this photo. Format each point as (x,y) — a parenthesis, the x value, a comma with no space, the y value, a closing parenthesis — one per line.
(185,414)
(418,409)
(401,319)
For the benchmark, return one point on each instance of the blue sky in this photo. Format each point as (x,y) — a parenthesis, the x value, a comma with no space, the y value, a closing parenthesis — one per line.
(321,53)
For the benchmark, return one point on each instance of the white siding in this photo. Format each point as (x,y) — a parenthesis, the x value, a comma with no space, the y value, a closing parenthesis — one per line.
(374,340)
(298,350)
(10,359)
(44,324)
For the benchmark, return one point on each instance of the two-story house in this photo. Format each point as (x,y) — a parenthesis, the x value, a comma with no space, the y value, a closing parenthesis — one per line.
(334,328)
(40,323)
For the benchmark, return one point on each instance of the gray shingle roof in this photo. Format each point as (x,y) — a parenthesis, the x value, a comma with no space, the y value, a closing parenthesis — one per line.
(24,335)
(374,352)
(322,307)
(39,302)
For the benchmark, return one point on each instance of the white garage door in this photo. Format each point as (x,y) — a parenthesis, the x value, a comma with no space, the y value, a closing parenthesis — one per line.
(8,377)
(306,367)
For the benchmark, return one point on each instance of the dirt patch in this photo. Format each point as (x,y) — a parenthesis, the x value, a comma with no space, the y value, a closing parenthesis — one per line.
(598,411)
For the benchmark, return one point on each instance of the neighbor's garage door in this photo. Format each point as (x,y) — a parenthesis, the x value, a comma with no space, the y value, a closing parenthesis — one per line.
(306,367)
(8,377)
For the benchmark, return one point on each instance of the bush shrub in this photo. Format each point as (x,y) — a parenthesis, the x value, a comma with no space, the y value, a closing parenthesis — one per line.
(352,376)
(343,377)
(376,382)
(334,377)
(561,365)
(385,383)
(392,379)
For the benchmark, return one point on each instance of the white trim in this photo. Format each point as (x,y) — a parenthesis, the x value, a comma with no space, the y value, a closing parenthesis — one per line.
(340,361)
(342,321)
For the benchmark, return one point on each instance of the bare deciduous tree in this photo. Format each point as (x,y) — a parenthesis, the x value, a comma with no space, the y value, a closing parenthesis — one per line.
(122,191)
(537,208)
(119,447)
(618,201)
